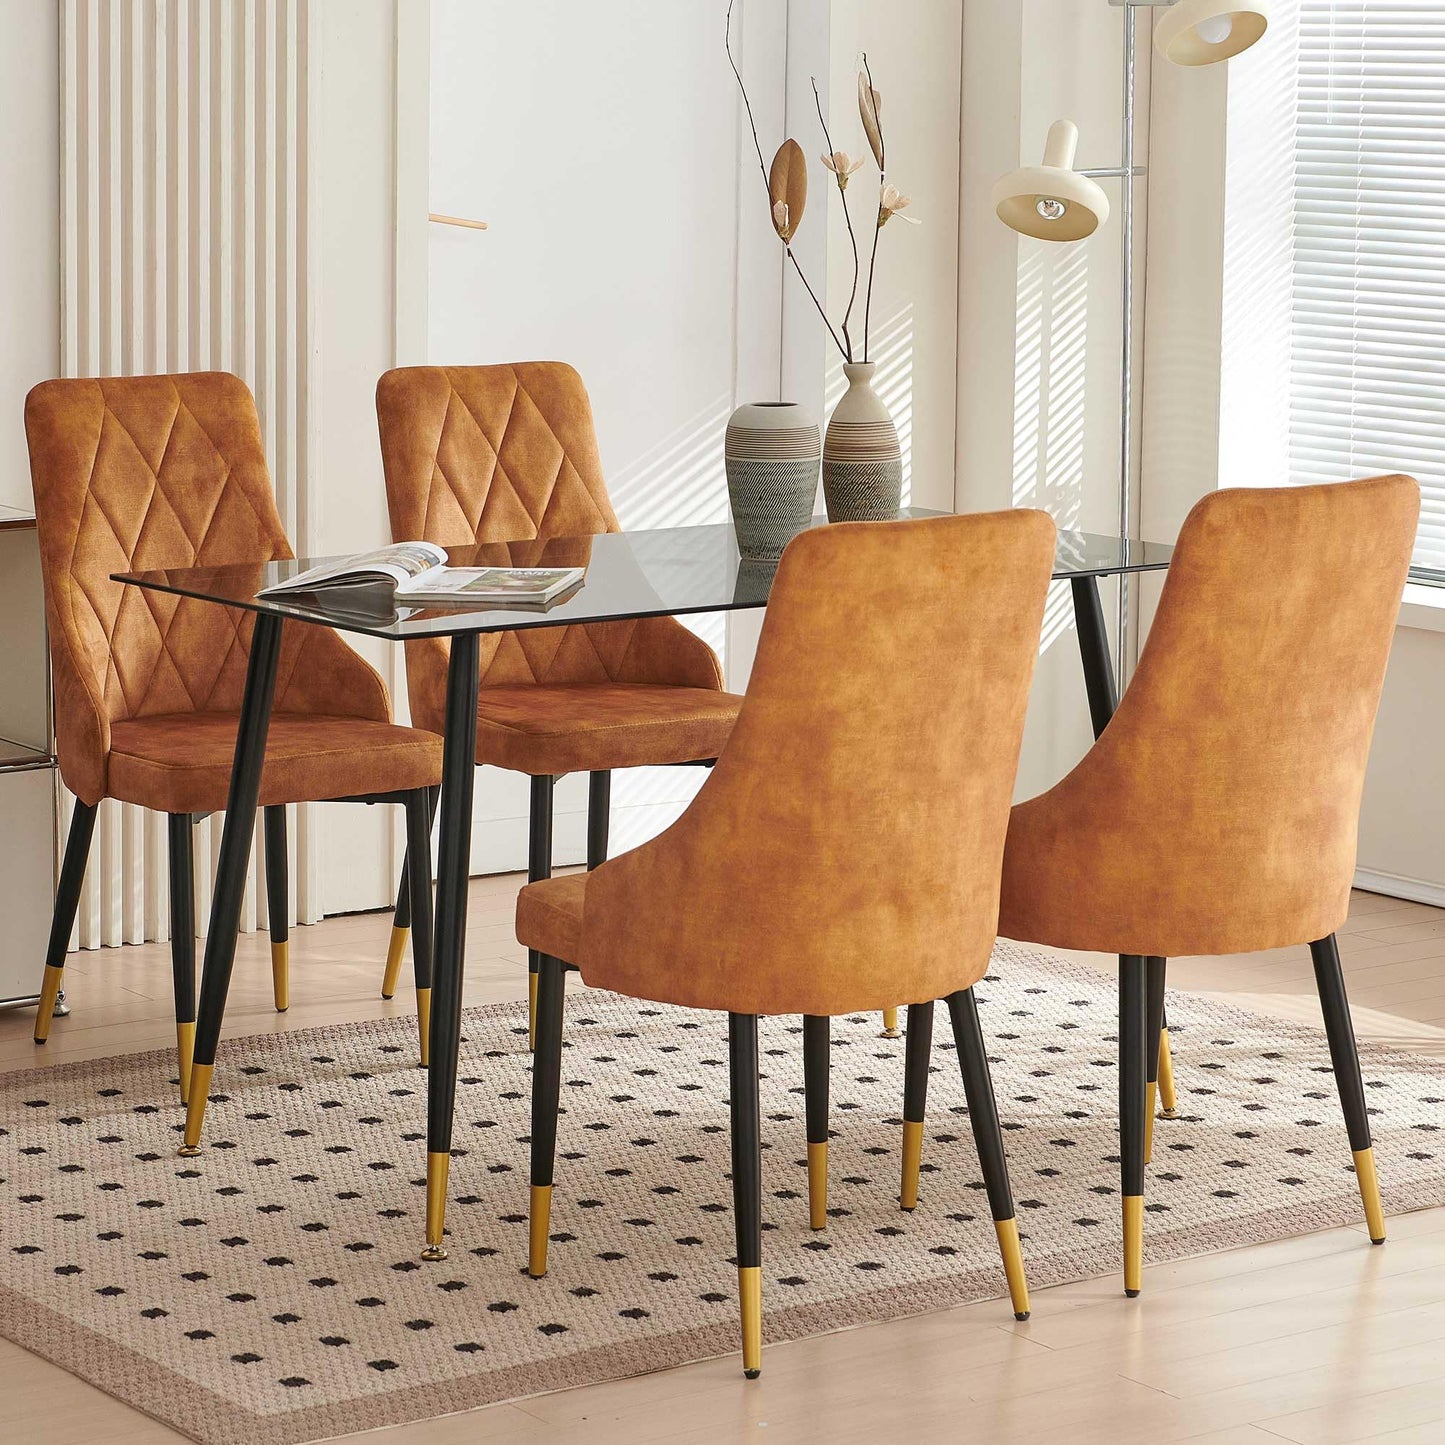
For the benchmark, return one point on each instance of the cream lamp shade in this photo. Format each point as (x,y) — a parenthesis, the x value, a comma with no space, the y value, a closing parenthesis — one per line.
(1201,32)
(1052,201)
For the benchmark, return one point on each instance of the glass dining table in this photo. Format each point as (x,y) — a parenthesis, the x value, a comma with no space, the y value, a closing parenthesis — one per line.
(674,571)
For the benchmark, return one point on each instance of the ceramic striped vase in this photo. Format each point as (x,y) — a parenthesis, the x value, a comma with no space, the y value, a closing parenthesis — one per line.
(862,463)
(771,452)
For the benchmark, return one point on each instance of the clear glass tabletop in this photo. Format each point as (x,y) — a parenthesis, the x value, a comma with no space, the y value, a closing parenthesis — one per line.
(670,571)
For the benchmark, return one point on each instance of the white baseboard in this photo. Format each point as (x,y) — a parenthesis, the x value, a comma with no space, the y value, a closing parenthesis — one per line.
(1414,890)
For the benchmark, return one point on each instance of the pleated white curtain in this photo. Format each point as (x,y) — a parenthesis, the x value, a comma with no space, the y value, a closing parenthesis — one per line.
(187,232)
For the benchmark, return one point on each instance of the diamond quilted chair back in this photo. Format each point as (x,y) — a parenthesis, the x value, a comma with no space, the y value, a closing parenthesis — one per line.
(134,473)
(504,453)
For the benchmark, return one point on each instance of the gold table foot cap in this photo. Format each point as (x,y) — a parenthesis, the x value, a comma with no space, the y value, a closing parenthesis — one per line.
(750,1301)
(1133,1244)
(423,1025)
(395,952)
(49,992)
(438,1166)
(185,1052)
(912,1159)
(281,976)
(1169,1113)
(196,1108)
(818,1185)
(1369,1183)
(890,1025)
(1013,1265)
(538,1228)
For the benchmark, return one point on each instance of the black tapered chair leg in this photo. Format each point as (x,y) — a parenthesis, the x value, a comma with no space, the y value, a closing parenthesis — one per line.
(277,904)
(400,930)
(546,1089)
(817,1047)
(915,1098)
(747,1183)
(401,915)
(1133,1065)
(539,866)
(1154,1037)
(599,817)
(418,875)
(183,943)
(67,901)
(1345,1059)
(988,1140)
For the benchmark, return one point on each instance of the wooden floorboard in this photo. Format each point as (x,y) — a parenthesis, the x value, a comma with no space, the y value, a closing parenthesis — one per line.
(1318,1340)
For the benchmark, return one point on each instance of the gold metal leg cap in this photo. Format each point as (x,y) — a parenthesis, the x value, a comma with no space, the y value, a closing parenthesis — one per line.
(890,1024)
(196,1109)
(750,1299)
(912,1159)
(423,1025)
(438,1166)
(538,1228)
(532,1011)
(185,1051)
(1369,1183)
(281,976)
(1151,1100)
(1168,1101)
(49,992)
(1013,1265)
(1133,1244)
(395,952)
(818,1185)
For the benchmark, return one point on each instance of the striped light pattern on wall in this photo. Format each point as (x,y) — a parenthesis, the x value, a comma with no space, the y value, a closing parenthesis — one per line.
(187,234)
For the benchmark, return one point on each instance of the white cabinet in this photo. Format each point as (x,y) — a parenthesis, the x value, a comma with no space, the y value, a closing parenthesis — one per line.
(27,770)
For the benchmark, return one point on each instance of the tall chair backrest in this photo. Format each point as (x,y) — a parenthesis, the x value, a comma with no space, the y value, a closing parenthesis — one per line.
(845,852)
(508,453)
(142,472)
(1229,780)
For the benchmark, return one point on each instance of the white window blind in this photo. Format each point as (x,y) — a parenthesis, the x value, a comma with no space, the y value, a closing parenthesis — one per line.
(1367,382)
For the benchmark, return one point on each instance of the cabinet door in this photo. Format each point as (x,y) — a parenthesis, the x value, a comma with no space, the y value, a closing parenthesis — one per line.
(27,877)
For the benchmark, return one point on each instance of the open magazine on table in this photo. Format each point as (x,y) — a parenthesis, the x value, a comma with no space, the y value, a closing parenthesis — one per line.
(415,574)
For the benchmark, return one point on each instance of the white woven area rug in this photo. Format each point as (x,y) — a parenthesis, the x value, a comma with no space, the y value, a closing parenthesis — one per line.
(270,1291)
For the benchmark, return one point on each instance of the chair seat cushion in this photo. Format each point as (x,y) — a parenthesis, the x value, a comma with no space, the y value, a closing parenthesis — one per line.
(181,762)
(587,727)
(549,916)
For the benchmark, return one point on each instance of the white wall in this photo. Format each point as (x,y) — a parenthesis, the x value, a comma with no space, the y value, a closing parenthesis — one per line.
(1039,323)
(29,224)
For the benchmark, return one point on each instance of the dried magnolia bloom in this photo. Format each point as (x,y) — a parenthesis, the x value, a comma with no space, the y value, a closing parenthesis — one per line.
(842,165)
(891,202)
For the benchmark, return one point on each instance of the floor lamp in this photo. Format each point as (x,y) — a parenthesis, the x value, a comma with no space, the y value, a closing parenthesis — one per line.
(1055,202)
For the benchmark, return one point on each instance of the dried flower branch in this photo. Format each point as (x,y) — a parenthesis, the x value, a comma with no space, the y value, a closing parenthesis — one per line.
(842,167)
(788,223)
(891,201)
(870,109)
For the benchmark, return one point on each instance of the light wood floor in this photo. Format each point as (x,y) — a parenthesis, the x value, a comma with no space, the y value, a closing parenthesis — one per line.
(1317,1340)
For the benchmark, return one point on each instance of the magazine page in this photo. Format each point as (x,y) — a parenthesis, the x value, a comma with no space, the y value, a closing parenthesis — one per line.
(484,582)
(398,564)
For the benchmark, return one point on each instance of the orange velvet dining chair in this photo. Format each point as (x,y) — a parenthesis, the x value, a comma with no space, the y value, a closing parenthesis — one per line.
(508,453)
(859,808)
(1217,811)
(146,472)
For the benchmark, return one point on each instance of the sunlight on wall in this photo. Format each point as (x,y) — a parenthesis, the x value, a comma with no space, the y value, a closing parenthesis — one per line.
(1050,394)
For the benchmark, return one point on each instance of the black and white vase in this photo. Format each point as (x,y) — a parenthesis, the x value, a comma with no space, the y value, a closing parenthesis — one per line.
(862,462)
(772,455)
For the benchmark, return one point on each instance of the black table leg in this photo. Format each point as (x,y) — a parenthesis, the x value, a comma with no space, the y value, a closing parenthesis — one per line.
(459,761)
(1094,651)
(235,853)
